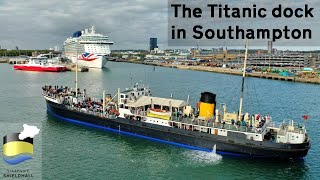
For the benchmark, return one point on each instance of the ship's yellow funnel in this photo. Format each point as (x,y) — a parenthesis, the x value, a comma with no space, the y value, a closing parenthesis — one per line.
(207,105)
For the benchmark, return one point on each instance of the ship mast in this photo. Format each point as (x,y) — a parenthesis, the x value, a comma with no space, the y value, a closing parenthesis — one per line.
(243,77)
(77,74)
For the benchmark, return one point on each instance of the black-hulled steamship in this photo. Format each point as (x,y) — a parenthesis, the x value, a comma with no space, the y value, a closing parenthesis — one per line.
(135,112)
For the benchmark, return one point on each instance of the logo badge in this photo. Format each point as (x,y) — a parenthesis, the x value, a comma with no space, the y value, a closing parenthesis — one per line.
(88,57)
(18,147)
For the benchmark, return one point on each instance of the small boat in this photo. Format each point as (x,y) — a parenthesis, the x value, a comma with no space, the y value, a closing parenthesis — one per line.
(39,64)
(160,112)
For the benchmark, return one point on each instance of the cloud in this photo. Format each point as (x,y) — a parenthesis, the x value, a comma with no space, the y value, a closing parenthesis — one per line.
(37,24)
(28,131)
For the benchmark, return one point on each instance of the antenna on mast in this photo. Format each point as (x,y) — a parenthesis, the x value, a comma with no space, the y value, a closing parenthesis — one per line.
(93,30)
(243,77)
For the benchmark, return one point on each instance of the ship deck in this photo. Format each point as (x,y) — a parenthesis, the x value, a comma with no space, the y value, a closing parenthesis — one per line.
(179,122)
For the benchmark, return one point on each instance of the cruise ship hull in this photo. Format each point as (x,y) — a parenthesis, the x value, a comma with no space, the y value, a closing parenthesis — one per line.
(99,63)
(233,144)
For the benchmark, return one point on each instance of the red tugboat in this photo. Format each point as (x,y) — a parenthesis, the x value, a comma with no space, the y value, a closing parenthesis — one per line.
(40,64)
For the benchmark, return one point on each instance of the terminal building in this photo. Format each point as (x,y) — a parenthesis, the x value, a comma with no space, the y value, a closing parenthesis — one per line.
(277,60)
(261,58)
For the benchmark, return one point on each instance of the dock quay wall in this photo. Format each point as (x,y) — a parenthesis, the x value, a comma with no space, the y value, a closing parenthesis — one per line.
(271,76)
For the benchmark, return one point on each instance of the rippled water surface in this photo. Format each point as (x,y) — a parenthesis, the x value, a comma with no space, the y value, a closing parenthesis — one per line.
(74,152)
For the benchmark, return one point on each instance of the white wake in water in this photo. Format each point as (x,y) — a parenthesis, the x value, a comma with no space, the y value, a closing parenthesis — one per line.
(203,158)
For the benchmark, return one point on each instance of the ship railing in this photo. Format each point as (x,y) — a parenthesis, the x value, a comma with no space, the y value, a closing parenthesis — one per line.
(234,127)
(212,124)
(91,112)
(50,95)
(53,96)
(186,121)
(297,127)
(57,96)
(203,126)
(273,125)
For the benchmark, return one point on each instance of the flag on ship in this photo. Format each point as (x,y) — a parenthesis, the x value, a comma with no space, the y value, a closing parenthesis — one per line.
(305,117)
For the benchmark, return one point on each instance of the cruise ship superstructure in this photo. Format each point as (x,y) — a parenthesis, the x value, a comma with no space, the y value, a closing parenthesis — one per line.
(91,48)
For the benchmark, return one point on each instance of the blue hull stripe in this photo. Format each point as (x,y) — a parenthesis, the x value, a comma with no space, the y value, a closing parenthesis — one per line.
(146,137)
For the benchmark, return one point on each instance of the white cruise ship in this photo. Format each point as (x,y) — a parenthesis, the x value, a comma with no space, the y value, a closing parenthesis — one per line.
(91,48)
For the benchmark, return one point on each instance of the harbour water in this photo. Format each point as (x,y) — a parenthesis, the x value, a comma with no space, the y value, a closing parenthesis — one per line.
(74,152)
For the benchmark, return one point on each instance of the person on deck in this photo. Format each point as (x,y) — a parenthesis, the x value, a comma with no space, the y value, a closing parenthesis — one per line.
(243,123)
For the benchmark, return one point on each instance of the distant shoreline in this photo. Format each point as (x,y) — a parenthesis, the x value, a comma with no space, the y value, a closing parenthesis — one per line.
(230,71)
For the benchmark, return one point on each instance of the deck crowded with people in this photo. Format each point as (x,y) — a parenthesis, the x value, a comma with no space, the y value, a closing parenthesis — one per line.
(94,106)
(67,96)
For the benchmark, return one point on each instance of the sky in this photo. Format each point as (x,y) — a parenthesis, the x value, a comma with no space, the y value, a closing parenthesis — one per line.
(41,24)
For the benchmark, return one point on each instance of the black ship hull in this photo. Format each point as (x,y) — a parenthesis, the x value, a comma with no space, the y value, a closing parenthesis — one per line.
(233,144)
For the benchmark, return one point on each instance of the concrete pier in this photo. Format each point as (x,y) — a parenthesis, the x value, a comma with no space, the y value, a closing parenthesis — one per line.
(72,67)
(17,60)
(4,60)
